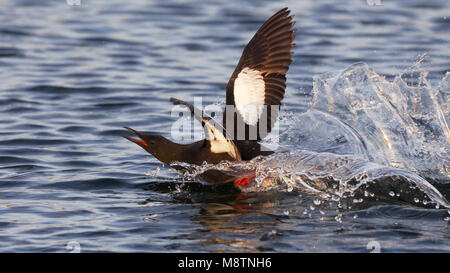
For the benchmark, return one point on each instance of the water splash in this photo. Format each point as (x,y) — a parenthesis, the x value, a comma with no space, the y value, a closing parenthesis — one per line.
(367,139)
(331,177)
(359,112)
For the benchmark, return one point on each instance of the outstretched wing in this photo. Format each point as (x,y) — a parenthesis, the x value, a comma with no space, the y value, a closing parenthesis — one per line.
(258,83)
(215,134)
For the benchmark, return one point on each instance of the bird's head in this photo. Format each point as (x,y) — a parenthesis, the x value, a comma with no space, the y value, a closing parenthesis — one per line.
(154,144)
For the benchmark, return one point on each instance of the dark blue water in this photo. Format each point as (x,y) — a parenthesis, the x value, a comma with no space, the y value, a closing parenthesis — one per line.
(73,76)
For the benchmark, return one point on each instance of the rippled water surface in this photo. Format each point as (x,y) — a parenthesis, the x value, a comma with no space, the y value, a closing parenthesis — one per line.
(369,142)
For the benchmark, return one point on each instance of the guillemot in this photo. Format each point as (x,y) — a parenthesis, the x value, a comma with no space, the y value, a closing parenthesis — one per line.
(255,91)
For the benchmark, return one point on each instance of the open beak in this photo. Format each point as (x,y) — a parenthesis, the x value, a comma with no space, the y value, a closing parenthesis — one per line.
(141,143)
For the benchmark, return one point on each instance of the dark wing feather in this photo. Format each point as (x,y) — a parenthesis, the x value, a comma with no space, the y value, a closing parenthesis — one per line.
(270,52)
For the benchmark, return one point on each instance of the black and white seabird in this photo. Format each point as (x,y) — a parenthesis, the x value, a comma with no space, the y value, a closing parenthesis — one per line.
(254,92)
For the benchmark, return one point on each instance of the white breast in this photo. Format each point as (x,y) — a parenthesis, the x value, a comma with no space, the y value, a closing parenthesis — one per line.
(249,91)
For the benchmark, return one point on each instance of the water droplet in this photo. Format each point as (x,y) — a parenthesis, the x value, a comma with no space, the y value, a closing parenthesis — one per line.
(153,173)
(391,193)
(290,188)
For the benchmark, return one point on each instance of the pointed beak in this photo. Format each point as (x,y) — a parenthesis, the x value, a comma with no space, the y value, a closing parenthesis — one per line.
(141,143)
